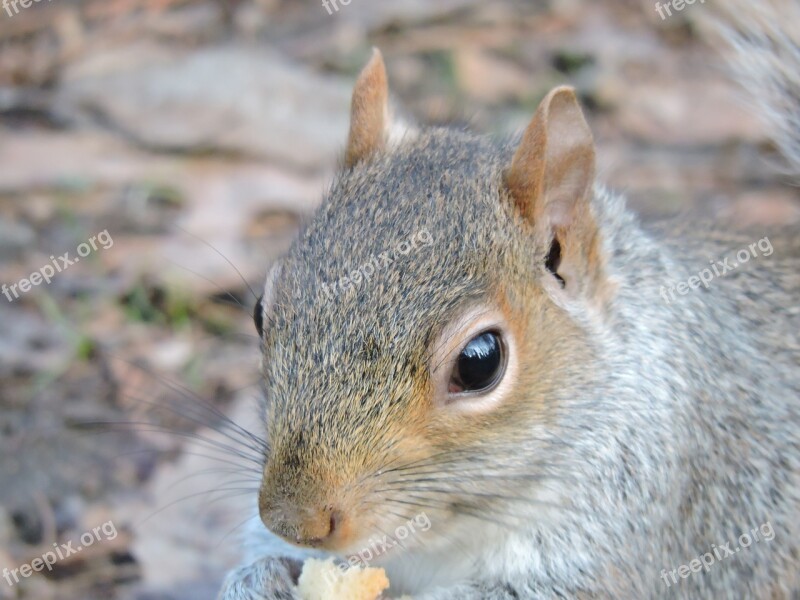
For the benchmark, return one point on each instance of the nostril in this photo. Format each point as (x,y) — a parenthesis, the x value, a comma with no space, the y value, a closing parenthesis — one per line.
(326,529)
(334,521)
(304,527)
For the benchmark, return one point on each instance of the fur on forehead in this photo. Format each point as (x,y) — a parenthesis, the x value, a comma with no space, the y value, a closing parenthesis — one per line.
(403,196)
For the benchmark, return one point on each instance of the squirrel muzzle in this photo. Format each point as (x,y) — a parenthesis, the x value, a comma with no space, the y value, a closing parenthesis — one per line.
(303,523)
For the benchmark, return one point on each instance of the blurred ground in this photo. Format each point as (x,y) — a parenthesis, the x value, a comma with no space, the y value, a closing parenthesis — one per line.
(199,135)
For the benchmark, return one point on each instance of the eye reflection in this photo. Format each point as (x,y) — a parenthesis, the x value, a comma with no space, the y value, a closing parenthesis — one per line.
(480,364)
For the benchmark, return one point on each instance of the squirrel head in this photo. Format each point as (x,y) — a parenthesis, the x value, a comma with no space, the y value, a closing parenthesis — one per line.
(418,336)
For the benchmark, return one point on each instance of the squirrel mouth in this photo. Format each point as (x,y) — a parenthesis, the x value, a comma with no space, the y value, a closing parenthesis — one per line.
(374,549)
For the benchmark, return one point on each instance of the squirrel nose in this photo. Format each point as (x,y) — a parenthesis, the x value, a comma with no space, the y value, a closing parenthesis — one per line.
(312,528)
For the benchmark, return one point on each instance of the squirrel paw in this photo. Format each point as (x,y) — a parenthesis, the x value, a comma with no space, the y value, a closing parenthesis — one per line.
(271,578)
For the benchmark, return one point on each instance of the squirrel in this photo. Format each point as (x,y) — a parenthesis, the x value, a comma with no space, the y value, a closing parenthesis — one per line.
(567,431)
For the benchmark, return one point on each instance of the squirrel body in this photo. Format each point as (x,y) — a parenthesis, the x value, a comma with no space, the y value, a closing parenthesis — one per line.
(627,437)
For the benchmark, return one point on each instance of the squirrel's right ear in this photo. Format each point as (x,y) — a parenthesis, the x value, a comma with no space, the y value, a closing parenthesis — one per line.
(369,112)
(550,182)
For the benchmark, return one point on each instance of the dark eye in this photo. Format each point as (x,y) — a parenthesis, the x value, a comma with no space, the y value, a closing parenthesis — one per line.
(480,364)
(258,316)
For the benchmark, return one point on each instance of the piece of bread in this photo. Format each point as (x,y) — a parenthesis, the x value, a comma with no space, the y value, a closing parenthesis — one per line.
(323,580)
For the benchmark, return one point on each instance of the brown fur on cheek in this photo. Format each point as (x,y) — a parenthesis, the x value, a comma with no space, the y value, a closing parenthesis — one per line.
(548,344)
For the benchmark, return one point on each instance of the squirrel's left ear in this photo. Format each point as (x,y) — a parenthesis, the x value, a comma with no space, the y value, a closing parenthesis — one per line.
(369,112)
(372,124)
(550,182)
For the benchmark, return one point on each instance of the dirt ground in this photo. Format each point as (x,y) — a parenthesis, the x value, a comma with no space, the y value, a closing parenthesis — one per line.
(173,148)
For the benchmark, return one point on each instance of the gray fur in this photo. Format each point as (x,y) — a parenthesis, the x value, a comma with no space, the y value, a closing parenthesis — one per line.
(654,429)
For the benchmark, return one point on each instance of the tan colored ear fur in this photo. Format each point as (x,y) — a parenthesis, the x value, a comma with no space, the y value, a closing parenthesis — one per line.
(550,182)
(553,168)
(369,112)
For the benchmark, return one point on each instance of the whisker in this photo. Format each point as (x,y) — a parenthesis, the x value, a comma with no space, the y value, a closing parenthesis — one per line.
(215,284)
(227,260)
(186,393)
(207,443)
(250,518)
(194,495)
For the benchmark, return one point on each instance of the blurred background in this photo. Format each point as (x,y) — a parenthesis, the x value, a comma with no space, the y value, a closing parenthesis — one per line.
(197,136)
